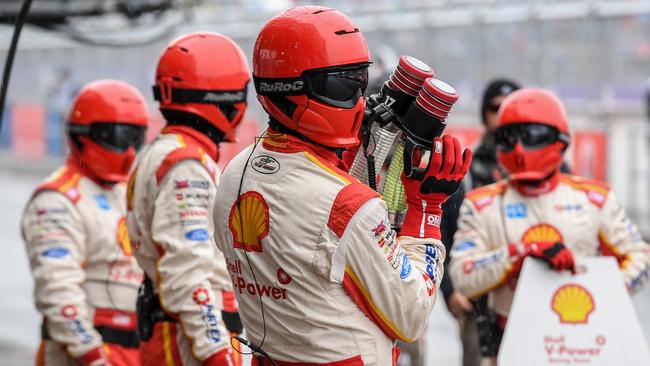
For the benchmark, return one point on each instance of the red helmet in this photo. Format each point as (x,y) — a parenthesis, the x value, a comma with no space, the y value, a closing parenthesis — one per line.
(310,66)
(204,74)
(106,126)
(533,134)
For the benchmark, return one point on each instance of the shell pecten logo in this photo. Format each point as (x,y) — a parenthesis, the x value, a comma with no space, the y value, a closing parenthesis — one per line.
(541,233)
(573,304)
(123,237)
(249,222)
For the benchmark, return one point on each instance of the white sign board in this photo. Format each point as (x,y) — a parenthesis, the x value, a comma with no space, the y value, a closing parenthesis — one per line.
(564,319)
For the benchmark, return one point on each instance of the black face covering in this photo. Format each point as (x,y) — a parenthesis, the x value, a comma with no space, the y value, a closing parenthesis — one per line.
(111,135)
(340,88)
(531,135)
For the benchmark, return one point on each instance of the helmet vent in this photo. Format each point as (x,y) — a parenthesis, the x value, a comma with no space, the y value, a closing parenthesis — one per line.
(283,104)
(343,31)
(184,49)
(322,11)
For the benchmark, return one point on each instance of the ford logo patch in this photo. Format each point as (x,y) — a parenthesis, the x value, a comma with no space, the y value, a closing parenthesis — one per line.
(197,235)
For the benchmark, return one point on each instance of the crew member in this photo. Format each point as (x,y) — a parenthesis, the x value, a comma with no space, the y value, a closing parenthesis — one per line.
(201,83)
(86,279)
(538,211)
(320,276)
(484,170)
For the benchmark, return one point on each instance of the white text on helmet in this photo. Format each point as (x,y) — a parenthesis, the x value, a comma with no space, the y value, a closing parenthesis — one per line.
(281,87)
(224,97)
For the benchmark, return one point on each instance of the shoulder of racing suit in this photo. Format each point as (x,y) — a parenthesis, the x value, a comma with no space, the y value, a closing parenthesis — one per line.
(595,191)
(64,180)
(187,152)
(349,198)
(483,196)
(346,204)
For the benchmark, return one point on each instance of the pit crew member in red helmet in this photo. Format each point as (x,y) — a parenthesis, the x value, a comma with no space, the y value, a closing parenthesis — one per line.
(86,279)
(320,276)
(538,211)
(201,82)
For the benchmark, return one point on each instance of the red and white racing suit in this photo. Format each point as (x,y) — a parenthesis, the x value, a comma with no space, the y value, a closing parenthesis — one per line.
(338,287)
(170,195)
(86,279)
(582,214)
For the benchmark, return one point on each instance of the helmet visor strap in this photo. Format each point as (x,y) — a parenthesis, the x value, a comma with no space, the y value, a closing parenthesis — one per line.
(531,135)
(183,96)
(339,86)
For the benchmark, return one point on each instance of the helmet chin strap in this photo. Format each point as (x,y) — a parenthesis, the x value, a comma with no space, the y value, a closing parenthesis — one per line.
(538,186)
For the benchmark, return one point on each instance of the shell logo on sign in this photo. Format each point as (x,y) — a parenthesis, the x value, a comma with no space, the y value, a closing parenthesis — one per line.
(573,304)
(541,233)
(249,227)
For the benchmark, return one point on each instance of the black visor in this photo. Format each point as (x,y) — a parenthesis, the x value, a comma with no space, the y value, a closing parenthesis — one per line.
(339,86)
(113,136)
(531,135)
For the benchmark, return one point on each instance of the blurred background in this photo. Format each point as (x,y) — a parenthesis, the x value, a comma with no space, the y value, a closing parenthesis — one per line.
(594,54)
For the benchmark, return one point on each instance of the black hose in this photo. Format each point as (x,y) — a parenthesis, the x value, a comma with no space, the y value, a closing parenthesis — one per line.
(11,54)
(372,174)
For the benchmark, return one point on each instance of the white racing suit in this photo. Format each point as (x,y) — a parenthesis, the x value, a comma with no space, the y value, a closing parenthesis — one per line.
(86,279)
(338,287)
(582,214)
(170,195)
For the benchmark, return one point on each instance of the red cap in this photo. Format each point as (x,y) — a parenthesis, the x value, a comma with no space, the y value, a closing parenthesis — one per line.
(437,98)
(409,75)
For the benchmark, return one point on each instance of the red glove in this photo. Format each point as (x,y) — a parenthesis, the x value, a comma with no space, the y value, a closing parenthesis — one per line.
(221,358)
(95,357)
(447,168)
(556,255)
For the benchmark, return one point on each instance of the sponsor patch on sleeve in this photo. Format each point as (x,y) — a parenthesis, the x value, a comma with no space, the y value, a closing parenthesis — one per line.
(407,268)
(56,252)
(70,313)
(211,316)
(432,256)
(386,240)
(197,235)
(470,265)
(186,183)
(463,246)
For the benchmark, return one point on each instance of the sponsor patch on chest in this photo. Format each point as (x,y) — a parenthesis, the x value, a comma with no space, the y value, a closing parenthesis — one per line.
(516,210)
(265,164)
(102,201)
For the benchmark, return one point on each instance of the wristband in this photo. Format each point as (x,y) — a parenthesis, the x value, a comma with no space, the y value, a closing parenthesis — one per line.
(422,219)
(223,357)
(94,357)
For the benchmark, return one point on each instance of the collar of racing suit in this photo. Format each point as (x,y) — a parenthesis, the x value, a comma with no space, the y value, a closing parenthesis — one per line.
(196,137)
(537,188)
(76,166)
(282,142)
